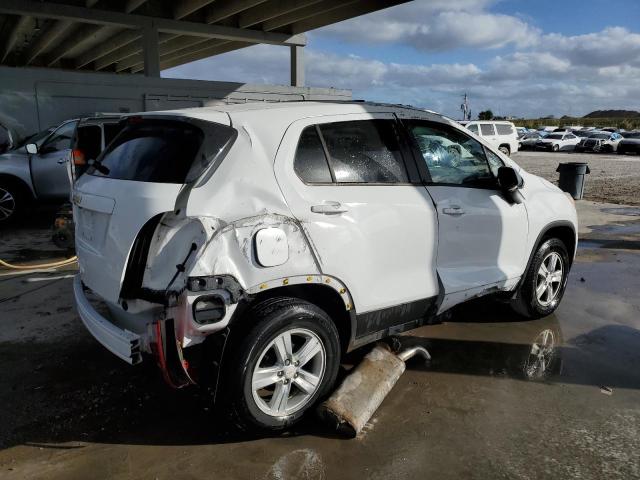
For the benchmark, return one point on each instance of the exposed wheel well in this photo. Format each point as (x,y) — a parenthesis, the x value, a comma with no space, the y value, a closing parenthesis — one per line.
(18,183)
(324,297)
(563,233)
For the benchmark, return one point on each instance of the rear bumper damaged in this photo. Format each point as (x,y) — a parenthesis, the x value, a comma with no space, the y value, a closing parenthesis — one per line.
(157,337)
(121,342)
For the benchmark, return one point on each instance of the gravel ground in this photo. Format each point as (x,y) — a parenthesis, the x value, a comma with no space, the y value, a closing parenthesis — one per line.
(613,178)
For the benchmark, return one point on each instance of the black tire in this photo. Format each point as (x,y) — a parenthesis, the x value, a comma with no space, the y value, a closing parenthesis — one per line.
(555,148)
(12,198)
(505,149)
(268,320)
(526,302)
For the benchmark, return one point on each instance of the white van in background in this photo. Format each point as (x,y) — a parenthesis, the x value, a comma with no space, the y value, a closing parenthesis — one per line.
(501,135)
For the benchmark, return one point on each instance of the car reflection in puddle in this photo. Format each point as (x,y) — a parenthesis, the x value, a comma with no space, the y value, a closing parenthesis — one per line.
(485,338)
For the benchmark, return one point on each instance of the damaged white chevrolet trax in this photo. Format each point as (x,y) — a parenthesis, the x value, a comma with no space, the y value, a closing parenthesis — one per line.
(247,247)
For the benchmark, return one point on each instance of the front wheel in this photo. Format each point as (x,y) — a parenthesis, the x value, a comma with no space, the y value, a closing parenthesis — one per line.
(10,202)
(555,148)
(505,150)
(545,281)
(282,366)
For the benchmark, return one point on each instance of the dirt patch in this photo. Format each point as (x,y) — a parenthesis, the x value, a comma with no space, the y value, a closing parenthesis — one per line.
(613,178)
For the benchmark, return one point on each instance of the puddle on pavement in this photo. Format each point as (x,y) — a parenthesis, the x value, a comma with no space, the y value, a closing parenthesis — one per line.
(630,211)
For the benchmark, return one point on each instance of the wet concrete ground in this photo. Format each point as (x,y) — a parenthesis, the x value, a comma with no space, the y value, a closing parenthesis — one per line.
(483,408)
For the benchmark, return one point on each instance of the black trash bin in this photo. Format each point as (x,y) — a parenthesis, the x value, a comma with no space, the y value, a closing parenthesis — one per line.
(572,178)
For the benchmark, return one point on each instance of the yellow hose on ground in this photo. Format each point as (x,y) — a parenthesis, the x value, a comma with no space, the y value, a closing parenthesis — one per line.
(61,263)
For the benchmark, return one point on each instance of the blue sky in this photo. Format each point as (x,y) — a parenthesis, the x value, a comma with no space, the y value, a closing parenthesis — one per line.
(516,57)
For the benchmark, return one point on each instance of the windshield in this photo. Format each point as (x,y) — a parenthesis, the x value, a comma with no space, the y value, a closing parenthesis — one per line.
(600,135)
(36,138)
(162,151)
(555,137)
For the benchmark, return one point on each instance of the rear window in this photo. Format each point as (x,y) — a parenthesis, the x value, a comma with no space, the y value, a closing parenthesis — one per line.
(162,151)
(504,129)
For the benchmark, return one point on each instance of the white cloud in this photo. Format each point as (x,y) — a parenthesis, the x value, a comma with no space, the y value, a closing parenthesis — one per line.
(438,26)
(532,73)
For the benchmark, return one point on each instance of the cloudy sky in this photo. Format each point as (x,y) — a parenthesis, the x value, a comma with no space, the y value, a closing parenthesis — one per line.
(515,57)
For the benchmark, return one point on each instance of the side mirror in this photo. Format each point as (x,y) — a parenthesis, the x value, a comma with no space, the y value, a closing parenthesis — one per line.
(32,148)
(510,182)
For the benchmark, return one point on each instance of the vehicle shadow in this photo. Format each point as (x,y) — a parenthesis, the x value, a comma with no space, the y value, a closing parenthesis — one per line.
(75,391)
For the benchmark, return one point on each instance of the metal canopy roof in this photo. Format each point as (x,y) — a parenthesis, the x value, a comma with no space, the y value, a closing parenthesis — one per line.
(120,35)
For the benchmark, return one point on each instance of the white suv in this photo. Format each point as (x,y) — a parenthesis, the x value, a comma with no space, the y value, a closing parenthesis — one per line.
(247,247)
(499,134)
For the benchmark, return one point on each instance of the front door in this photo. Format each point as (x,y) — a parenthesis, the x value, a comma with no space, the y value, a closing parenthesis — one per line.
(370,221)
(482,236)
(49,166)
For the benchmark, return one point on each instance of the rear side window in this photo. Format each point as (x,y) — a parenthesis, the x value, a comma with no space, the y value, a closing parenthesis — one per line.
(310,163)
(110,132)
(504,129)
(487,129)
(364,151)
(162,151)
(474,129)
(89,140)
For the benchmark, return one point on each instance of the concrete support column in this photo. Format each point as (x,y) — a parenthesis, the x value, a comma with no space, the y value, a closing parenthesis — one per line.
(150,51)
(297,66)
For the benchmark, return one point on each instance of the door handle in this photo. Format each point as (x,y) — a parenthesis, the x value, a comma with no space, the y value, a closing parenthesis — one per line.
(61,161)
(454,210)
(329,208)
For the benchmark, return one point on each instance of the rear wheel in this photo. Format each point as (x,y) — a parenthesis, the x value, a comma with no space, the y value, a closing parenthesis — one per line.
(555,148)
(545,281)
(282,366)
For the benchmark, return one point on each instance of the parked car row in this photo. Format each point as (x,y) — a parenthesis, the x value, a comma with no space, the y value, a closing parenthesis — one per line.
(587,139)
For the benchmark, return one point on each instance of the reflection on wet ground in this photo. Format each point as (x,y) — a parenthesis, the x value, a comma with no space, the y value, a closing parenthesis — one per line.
(503,397)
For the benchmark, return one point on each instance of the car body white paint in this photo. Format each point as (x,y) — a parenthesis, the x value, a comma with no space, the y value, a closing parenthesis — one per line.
(385,245)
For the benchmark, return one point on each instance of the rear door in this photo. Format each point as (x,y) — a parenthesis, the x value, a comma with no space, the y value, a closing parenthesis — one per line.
(357,194)
(482,237)
(49,165)
(488,132)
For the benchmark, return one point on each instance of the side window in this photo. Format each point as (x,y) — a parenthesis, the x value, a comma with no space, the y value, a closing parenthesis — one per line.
(310,163)
(504,129)
(487,129)
(494,162)
(60,139)
(474,129)
(451,156)
(88,140)
(364,151)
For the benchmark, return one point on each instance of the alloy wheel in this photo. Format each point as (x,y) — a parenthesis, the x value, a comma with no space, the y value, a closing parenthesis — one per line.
(288,372)
(549,279)
(7,204)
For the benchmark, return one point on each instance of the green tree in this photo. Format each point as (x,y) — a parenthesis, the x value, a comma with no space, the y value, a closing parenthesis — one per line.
(485,115)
